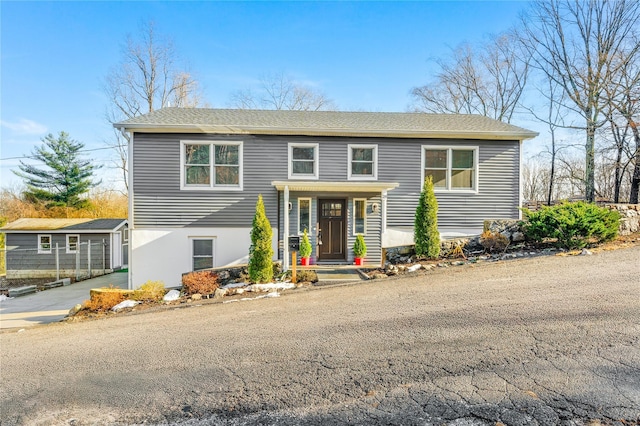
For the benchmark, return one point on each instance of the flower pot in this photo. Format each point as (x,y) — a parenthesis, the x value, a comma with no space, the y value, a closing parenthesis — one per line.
(304,261)
(359,261)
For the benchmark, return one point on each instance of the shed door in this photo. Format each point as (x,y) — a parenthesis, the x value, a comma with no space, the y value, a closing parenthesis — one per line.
(332,217)
(116,251)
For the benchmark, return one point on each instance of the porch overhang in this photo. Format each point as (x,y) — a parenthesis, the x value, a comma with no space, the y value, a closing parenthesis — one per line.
(345,186)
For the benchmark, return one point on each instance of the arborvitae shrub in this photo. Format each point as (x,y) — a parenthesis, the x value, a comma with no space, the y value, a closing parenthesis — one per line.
(425,234)
(261,251)
(572,225)
(359,247)
(200,282)
(305,245)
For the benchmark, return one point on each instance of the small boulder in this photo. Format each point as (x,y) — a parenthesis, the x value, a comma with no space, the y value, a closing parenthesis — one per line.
(171,296)
(196,296)
(77,308)
(220,292)
(379,276)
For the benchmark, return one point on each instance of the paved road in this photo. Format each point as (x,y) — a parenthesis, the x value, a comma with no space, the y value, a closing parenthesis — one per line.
(553,340)
(52,305)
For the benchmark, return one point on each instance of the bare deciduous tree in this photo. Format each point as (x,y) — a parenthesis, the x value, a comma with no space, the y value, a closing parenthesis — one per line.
(487,80)
(574,43)
(148,77)
(282,92)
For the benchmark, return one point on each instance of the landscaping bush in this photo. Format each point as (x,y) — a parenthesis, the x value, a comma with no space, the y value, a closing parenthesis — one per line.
(104,301)
(493,241)
(305,245)
(151,291)
(261,251)
(425,234)
(359,247)
(572,225)
(201,282)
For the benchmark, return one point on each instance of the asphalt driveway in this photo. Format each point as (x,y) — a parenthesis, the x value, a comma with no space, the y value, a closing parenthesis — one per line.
(52,305)
(539,341)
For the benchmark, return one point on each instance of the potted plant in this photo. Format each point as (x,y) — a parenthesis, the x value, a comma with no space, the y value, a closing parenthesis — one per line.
(305,249)
(359,249)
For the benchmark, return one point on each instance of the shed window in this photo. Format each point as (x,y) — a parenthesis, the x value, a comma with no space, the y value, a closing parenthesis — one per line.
(211,165)
(72,243)
(202,253)
(452,169)
(44,244)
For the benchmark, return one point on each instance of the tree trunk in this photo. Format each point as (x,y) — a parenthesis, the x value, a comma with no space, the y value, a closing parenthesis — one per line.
(635,180)
(590,167)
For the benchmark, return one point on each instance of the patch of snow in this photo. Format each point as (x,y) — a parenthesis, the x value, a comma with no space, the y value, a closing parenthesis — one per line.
(173,295)
(414,268)
(271,286)
(234,285)
(4,297)
(124,304)
(262,296)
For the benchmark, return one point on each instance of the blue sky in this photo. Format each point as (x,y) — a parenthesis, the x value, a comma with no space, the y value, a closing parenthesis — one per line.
(363,55)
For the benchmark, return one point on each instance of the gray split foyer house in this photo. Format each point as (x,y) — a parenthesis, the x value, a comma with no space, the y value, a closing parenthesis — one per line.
(196,175)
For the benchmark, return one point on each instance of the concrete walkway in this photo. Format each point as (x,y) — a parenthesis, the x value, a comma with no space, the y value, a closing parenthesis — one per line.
(52,305)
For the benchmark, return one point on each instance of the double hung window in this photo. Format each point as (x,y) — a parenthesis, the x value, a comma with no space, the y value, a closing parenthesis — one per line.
(73,240)
(202,253)
(44,244)
(303,161)
(451,168)
(363,162)
(211,165)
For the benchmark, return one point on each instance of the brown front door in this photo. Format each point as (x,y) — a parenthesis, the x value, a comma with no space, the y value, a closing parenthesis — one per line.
(332,217)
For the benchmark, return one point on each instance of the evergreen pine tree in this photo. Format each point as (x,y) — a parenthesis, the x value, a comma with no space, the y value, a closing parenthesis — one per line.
(66,176)
(425,233)
(261,251)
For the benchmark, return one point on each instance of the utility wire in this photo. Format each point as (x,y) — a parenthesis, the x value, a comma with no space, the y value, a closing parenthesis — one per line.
(34,157)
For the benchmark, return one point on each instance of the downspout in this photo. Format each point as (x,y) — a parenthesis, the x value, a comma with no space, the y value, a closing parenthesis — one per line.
(285,234)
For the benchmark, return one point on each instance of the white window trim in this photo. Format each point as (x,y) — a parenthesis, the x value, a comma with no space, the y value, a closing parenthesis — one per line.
(69,251)
(192,254)
(449,148)
(125,235)
(40,250)
(316,161)
(211,186)
(350,176)
(300,230)
(353,216)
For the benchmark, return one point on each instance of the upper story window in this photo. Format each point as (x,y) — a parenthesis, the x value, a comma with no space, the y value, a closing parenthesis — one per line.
(211,165)
(44,244)
(452,169)
(363,162)
(303,160)
(72,243)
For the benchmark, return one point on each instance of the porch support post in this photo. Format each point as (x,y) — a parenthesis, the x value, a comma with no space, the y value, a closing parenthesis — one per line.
(384,210)
(285,233)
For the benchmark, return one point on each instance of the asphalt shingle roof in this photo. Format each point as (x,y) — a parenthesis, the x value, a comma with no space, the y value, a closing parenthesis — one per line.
(44,224)
(329,123)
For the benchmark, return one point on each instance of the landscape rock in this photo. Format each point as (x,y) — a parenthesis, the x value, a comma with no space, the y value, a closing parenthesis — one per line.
(171,296)
(124,304)
(196,296)
(77,308)
(220,292)
(378,276)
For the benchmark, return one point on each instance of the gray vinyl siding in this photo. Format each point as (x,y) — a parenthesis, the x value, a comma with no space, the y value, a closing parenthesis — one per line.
(23,253)
(498,185)
(159,202)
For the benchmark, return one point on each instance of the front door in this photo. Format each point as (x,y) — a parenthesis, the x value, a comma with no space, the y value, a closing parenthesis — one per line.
(332,218)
